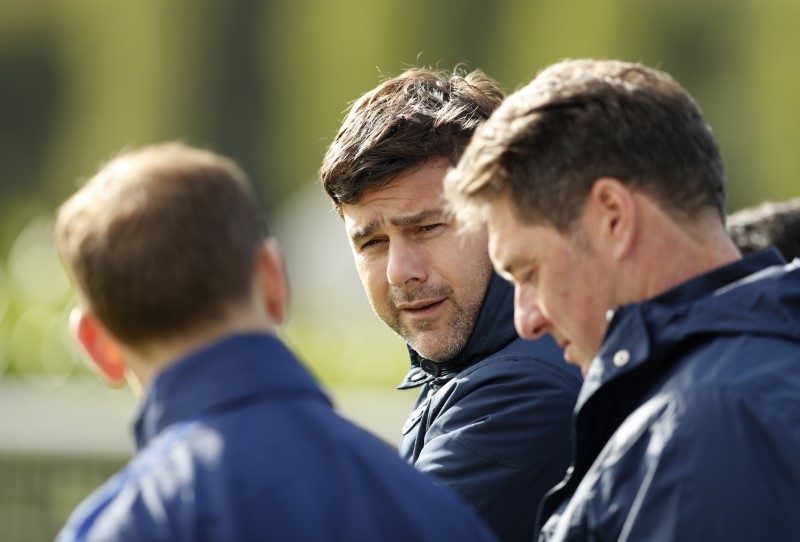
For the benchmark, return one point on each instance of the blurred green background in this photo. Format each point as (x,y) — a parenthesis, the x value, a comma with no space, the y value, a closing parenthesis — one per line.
(267,82)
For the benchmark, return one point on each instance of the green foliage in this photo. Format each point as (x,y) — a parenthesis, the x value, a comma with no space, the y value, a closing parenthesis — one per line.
(268,82)
(35,300)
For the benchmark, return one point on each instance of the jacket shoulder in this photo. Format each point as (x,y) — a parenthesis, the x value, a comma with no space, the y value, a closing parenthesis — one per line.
(498,433)
(503,407)
(138,502)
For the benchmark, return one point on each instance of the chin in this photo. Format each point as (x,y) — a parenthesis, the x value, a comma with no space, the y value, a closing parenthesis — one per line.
(438,355)
(439,345)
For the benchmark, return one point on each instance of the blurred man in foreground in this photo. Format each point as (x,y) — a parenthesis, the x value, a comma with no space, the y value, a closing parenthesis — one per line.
(604,194)
(492,418)
(181,290)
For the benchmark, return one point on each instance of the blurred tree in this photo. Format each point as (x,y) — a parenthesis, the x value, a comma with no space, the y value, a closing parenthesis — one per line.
(268,82)
(231,89)
(30,96)
(769,83)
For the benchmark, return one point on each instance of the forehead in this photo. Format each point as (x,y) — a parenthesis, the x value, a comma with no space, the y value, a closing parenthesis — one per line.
(511,241)
(411,192)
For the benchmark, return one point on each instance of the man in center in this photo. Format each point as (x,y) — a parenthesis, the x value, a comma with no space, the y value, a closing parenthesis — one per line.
(493,415)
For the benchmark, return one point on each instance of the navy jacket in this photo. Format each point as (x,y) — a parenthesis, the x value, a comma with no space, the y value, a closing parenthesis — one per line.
(493,424)
(238,443)
(688,425)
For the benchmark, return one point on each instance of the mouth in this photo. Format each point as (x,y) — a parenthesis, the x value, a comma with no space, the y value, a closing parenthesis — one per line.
(421,309)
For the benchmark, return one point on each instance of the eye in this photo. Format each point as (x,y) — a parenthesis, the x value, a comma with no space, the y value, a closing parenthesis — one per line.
(431,227)
(372,243)
(527,277)
(518,277)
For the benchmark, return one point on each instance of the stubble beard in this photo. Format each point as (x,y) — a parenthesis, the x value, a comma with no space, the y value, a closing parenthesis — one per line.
(452,335)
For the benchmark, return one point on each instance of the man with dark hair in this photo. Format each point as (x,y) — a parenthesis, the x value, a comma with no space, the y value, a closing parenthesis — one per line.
(492,418)
(603,190)
(772,223)
(181,291)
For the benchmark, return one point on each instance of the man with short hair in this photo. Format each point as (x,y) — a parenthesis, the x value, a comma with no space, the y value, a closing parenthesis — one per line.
(492,418)
(604,194)
(771,223)
(181,291)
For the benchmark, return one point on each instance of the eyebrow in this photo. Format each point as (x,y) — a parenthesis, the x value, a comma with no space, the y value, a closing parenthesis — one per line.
(358,233)
(529,265)
(506,271)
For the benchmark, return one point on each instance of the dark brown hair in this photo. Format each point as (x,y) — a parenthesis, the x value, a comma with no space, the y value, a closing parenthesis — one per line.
(160,240)
(402,123)
(772,223)
(580,120)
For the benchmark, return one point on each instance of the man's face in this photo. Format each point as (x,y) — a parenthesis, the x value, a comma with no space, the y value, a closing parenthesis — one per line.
(423,277)
(560,284)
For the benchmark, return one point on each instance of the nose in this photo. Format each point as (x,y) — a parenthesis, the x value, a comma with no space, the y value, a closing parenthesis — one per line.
(528,317)
(406,264)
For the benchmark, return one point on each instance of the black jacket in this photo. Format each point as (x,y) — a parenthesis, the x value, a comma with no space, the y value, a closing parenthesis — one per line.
(493,424)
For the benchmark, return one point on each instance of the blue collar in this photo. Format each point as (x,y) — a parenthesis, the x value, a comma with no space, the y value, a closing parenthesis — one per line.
(715,279)
(644,334)
(235,369)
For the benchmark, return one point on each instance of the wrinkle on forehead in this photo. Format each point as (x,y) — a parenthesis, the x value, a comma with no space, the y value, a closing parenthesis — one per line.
(413,197)
(360,231)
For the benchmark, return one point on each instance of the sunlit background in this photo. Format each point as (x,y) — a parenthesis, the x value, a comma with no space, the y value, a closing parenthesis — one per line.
(267,83)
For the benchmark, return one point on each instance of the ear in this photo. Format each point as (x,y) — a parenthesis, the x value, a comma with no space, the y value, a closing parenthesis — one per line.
(101,348)
(272,282)
(612,212)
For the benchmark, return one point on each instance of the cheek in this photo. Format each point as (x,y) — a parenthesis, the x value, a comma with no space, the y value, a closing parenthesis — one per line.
(593,319)
(373,277)
(568,300)
(472,252)
(476,244)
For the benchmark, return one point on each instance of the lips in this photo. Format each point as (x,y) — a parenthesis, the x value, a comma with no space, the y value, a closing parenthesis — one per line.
(416,305)
(422,309)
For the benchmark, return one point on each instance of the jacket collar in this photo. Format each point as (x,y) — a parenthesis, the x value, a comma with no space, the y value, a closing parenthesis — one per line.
(648,332)
(493,330)
(235,369)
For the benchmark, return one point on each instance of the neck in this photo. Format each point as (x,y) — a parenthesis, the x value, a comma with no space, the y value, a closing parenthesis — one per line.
(147,361)
(680,252)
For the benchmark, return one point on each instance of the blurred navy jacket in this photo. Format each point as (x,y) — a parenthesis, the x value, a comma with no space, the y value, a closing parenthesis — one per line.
(688,424)
(494,423)
(238,443)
